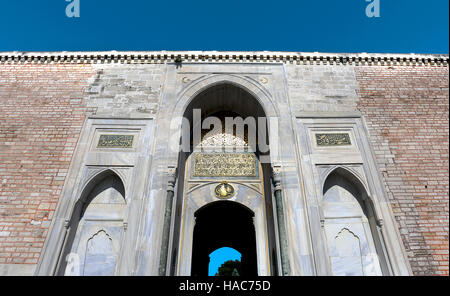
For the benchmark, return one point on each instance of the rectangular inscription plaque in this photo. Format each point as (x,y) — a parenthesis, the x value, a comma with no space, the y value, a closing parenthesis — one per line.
(224,165)
(115,141)
(333,139)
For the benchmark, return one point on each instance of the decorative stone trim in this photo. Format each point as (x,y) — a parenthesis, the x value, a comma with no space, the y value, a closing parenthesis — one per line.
(172,176)
(162,57)
(276,175)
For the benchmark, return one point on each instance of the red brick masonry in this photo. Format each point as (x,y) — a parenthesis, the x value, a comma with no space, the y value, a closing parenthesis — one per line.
(41,115)
(406,111)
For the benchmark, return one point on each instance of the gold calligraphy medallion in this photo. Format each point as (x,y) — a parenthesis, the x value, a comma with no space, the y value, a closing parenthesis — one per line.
(224,190)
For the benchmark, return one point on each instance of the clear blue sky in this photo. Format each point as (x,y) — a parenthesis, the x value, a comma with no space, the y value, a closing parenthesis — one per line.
(219,256)
(404,26)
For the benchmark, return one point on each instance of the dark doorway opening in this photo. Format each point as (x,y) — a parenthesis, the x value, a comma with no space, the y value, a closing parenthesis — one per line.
(224,223)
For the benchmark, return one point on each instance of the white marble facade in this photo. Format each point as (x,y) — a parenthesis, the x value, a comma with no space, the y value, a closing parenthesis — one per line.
(349,239)
(336,230)
(99,231)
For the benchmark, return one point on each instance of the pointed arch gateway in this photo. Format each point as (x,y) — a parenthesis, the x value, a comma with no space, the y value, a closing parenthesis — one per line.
(355,246)
(210,159)
(94,232)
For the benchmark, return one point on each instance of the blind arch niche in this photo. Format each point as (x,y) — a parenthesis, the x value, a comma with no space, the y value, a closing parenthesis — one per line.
(95,230)
(352,236)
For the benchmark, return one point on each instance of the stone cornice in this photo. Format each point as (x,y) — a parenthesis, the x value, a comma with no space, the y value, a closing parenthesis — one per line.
(161,57)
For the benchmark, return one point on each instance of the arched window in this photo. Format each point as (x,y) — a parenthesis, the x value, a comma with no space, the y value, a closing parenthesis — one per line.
(96,226)
(348,225)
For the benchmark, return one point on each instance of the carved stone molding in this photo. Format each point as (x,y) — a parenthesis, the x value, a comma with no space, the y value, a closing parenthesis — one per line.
(122,172)
(276,175)
(162,57)
(172,176)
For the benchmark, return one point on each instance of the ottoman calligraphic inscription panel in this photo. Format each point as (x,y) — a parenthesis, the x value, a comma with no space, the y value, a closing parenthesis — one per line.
(224,165)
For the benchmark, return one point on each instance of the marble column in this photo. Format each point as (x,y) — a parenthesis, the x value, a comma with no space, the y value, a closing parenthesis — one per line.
(167,220)
(285,265)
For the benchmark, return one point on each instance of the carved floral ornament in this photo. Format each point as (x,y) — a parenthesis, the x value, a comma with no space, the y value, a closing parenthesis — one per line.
(264,80)
(276,175)
(223,139)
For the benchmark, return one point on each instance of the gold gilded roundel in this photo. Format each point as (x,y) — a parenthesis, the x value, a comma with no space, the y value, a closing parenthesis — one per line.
(224,190)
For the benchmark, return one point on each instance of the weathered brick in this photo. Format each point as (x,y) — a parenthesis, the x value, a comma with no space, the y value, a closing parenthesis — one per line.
(406,110)
(41,112)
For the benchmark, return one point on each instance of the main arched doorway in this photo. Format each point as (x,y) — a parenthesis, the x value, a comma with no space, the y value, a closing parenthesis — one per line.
(216,156)
(219,224)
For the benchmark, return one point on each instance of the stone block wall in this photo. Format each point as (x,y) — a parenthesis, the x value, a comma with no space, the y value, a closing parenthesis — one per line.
(322,88)
(125,91)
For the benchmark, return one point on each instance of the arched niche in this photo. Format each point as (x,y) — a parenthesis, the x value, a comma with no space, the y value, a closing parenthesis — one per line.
(354,242)
(94,232)
(254,99)
(247,84)
(222,99)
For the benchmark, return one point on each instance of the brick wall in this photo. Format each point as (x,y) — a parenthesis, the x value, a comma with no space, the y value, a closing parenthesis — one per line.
(41,115)
(406,110)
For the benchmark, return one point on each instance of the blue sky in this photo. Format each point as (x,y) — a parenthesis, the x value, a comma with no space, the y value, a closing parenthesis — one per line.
(404,26)
(219,256)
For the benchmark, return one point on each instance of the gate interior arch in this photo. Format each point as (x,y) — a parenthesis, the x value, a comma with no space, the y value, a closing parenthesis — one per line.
(206,165)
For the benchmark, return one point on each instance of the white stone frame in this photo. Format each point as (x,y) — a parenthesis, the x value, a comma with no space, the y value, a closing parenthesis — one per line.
(191,205)
(193,202)
(87,164)
(317,165)
(354,175)
(182,86)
